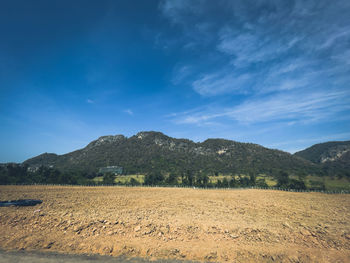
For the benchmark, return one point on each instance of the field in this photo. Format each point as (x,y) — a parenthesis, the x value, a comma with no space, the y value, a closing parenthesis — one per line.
(191,224)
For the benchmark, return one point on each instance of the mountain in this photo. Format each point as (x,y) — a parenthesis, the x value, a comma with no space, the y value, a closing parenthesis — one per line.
(333,157)
(149,151)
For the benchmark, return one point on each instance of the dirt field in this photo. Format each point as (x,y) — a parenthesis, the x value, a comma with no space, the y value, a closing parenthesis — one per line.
(191,224)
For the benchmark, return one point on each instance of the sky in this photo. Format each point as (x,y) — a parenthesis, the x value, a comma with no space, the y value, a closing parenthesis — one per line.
(275,73)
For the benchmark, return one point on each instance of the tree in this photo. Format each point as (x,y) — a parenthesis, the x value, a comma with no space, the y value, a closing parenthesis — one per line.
(171,179)
(232,182)
(205,179)
(17,174)
(296,184)
(182,174)
(108,178)
(252,179)
(218,183)
(202,179)
(134,182)
(4,179)
(282,179)
(261,183)
(155,178)
(244,181)
(189,177)
(225,183)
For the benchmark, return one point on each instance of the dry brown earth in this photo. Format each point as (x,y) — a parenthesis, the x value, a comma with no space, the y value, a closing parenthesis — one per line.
(193,224)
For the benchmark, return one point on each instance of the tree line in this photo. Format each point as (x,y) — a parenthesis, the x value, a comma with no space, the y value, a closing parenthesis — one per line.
(189,178)
(22,174)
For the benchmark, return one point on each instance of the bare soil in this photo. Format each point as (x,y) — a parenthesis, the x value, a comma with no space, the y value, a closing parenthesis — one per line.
(174,223)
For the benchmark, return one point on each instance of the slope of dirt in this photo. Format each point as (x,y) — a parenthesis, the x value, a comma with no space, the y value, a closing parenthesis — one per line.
(191,224)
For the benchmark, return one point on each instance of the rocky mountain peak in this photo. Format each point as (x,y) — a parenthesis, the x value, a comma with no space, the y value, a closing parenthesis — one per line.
(149,150)
(106,139)
(334,153)
(326,152)
(145,134)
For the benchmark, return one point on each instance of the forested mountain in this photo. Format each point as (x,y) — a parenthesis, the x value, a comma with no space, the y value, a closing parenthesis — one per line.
(333,157)
(149,151)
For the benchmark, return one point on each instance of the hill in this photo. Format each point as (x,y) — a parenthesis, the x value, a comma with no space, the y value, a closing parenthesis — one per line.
(150,151)
(333,157)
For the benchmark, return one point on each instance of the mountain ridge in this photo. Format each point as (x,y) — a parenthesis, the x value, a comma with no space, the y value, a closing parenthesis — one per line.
(150,150)
(333,157)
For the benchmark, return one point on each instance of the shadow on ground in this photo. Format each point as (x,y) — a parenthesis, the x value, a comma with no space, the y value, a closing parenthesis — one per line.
(49,257)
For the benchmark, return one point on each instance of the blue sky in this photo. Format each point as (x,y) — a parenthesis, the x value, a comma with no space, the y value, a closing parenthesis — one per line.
(271,72)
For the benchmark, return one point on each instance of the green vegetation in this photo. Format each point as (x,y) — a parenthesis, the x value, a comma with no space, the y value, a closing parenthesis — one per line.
(108,178)
(148,152)
(152,158)
(122,179)
(316,152)
(20,174)
(234,181)
(332,157)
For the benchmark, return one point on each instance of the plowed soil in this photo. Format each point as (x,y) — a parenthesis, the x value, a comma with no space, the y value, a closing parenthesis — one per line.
(189,224)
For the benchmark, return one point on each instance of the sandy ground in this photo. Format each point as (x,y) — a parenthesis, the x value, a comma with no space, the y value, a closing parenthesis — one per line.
(174,223)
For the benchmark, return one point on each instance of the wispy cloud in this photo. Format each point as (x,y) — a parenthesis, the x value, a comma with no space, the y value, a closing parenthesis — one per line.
(128,111)
(343,58)
(90,101)
(178,10)
(300,144)
(258,39)
(252,47)
(263,63)
(222,82)
(338,35)
(290,108)
(339,136)
(180,74)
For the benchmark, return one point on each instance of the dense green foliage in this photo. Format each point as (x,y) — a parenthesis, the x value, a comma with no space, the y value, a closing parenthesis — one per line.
(108,178)
(20,174)
(332,157)
(283,181)
(168,161)
(147,152)
(154,179)
(317,151)
(190,178)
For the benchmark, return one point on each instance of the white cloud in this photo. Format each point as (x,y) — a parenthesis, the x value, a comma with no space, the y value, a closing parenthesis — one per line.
(282,76)
(221,83)
(250,47)
(128,111)
(277,83)
(291,65)
(180,74)
(307,142)
(290,108)
(331,137)
(261,38)
(195,119)
(336,37)
(288,61)
(178,11)
(343,58)
(90,101)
